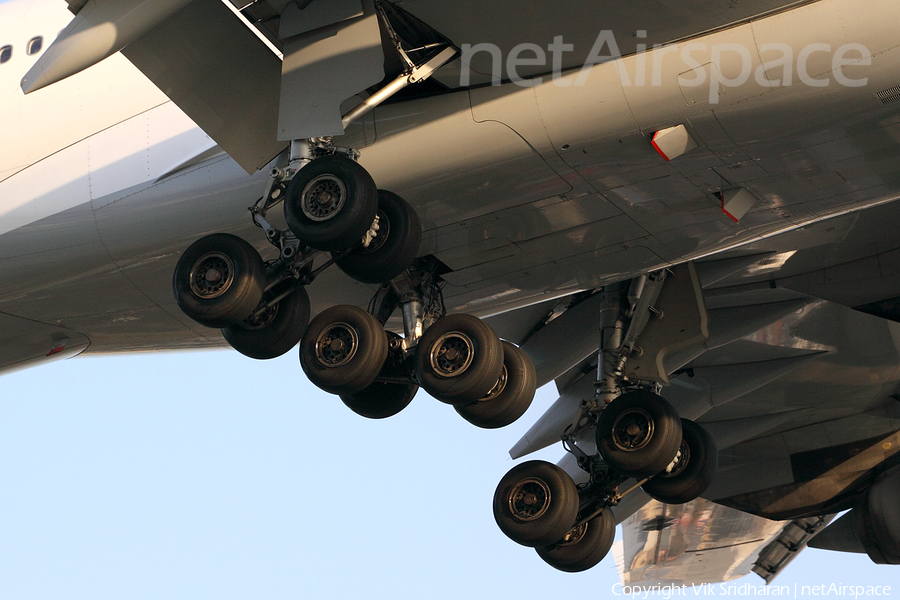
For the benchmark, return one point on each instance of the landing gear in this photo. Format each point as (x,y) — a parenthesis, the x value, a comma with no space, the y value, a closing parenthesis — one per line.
(535,504)
(693,470)
(331,205)
(640,439)
(511,396)
(583,547)
(219,280)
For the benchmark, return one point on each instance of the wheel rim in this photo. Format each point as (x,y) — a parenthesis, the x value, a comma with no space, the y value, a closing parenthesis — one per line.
(212,275)
(323,198)
(632,430)
(384,231)
(452,354)
(680,462)
(261,320)
(529,500)
(499,386)
(337,345)
(574,536)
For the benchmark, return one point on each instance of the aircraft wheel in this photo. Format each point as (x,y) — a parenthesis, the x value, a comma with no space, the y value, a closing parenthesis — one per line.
(639,434)
(511,396)
(219,280)
(381,400)
(459,359)
(274,332)
(393,249)
(583,547)
(536,503)
(331,203)
(694,471)
(343,350)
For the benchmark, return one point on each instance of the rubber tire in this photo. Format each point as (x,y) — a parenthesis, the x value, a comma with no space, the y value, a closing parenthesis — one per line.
(588,551)
(395,252)
(689,483)
(381,400)
(561,512)
(241,297)
(278,337)
(660,448)
(362,368)
(472,383)
(345,228)
(515,398)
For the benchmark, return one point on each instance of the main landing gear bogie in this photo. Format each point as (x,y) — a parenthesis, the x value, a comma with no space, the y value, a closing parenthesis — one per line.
(641,443)
(533,504)
(333,209)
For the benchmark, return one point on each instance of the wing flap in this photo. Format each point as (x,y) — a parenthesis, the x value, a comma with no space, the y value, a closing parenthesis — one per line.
(692,544)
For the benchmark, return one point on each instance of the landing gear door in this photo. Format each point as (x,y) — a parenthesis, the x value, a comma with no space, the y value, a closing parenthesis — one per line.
(679,327)
(327,65)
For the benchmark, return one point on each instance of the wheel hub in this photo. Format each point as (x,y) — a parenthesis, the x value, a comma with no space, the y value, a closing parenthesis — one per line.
(323,198)
(383,232)
(337,345)
(632,430)
(529,499)
(680,462)
(574,536)
(261,318)
(499,386)
(212,275)
(452,354)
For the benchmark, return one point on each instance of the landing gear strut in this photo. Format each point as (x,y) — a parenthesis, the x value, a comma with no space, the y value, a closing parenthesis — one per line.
(639,436)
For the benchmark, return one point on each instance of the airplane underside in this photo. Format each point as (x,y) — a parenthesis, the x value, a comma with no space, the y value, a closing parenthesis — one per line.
(708,274)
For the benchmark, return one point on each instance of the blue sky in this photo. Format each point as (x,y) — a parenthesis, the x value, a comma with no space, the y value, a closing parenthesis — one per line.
(209,475)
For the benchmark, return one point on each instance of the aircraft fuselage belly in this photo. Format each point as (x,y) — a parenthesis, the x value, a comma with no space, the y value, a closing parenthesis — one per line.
(526,193)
